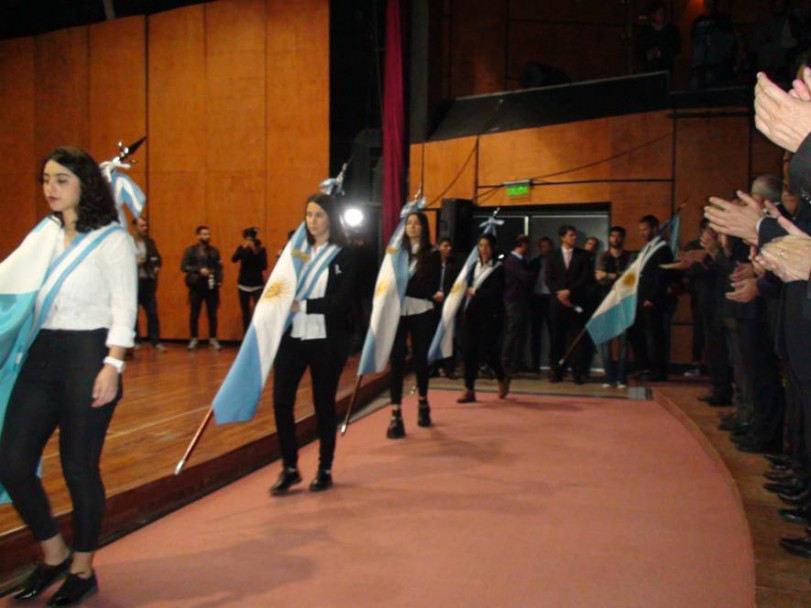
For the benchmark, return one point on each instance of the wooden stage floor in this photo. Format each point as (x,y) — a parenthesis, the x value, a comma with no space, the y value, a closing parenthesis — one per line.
(166,396)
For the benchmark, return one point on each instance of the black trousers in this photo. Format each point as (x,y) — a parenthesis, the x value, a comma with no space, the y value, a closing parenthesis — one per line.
(480,342)
(326,359)
(761,366)
(212,299)
(245,298)
(449,363)
(54,390)
(566,325)
(652,339)
(421,329)
(699,335)
(717,358)
(147,289)
(515,334)
(798,420)
(539,316)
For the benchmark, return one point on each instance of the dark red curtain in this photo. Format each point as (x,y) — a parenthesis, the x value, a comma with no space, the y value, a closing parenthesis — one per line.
(394,160)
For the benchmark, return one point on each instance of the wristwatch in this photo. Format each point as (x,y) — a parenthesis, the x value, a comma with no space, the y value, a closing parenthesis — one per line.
(118,364)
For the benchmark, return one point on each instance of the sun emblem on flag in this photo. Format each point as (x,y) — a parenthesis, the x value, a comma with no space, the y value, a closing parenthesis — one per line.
(276,290)
(391,250)
(298,253)
(628,279)
(457,287)
(382,288)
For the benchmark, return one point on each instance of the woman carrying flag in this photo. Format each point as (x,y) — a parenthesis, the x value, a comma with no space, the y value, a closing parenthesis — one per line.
(318,338)
(482,319)
(416,320)
(68,365)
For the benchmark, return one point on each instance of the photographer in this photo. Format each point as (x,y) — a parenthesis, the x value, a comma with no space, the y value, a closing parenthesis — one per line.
(203,268)
(253,261)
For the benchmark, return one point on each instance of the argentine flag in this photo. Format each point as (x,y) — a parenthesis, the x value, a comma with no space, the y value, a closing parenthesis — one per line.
(618,310)
(390,288)
(126,192)
(238,396)
(442,344)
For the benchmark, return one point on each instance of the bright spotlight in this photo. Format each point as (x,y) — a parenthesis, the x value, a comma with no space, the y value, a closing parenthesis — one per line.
(353,217)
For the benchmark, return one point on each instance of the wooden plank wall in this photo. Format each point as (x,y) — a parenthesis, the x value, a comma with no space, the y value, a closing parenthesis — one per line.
(487,43)
(627,161)
(234,97)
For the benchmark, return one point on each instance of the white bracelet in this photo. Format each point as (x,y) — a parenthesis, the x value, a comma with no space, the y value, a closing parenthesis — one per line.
(118,364)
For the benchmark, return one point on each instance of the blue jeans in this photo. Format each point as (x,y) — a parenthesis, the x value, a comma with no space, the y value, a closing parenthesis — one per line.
(615,371)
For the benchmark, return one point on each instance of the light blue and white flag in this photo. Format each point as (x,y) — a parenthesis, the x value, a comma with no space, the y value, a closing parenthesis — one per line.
(617,311)
(30,278)
(293,278)
(442,344)
(390,288)
(125,191)
(671,229)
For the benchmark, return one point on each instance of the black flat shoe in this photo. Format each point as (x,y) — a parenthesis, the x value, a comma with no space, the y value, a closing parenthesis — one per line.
(322,481)
(287,479)
(780,476)
(74,590)
(801,515)
(797,546)
(396,428)
(42,577)
(778,458)
(424,415)
(797,500)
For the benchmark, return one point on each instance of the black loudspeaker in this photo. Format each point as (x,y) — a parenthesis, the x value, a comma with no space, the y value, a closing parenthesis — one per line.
(456,222)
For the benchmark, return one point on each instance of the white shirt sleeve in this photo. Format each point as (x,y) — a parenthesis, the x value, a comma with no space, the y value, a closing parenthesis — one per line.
(121,274)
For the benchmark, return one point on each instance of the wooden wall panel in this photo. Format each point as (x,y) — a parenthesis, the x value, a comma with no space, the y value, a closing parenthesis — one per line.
(447,161)
(235,122)
(61,93)
(297,110)
(712,159)
(766,156)
(18,171)
(478,34)
(582,11)
(583,51)
(177,152)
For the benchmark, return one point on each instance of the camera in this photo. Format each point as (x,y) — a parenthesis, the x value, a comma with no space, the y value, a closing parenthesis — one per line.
(250,233)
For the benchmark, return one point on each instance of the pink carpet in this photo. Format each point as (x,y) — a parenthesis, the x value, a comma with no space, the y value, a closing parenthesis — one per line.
(535,501)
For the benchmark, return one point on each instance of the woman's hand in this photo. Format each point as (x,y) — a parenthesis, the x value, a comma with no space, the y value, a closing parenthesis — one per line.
(439,297)
(788,257)
(295,307)
(105,388)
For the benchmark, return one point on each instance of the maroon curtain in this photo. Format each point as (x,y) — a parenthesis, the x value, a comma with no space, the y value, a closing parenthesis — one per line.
(393,122)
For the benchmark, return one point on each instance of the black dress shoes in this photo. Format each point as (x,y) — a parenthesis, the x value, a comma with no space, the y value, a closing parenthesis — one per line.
(579,379)
(717,401)
(778,459)
(322,481)
(396,428)
(801,515)
(797,546)
(797,499)
(780,476)
(74,590)
(40,579)
(754,446)
(287,479)
(424,415)
(793,487)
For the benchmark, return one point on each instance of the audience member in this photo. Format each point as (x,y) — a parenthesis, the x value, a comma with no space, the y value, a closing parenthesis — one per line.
(149,265)
(253,261)
(539,300)
(203,268)
(518,281)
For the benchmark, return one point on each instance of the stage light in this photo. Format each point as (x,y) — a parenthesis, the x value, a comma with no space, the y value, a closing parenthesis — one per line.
(353,217)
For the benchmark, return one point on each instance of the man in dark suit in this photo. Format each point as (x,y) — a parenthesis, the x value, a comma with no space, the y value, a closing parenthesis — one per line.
(447,275)
(149,265)
(651,330)
(567,275)
(518,281)
(540,299)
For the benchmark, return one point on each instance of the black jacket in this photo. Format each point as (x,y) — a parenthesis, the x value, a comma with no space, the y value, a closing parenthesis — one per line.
(424,285)
(654,279)
(487,304)
(575,279)
(251,265)
(337,296)
(153,261)
(194,259)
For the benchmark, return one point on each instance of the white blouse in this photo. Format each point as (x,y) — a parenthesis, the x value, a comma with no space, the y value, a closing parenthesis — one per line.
(102,292)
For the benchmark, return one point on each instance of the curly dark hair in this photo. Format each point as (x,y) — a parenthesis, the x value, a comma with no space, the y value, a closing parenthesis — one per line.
(424,254)
(96,206)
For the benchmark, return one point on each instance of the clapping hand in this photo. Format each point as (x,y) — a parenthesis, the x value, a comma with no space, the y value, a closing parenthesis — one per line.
(785,118)
(788,257)
(735,219)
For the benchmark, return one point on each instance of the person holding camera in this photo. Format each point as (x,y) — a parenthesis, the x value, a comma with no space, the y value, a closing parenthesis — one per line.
(253,261)
(203,268)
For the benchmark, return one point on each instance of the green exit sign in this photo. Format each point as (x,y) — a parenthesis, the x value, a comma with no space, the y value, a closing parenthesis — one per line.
(518,188)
